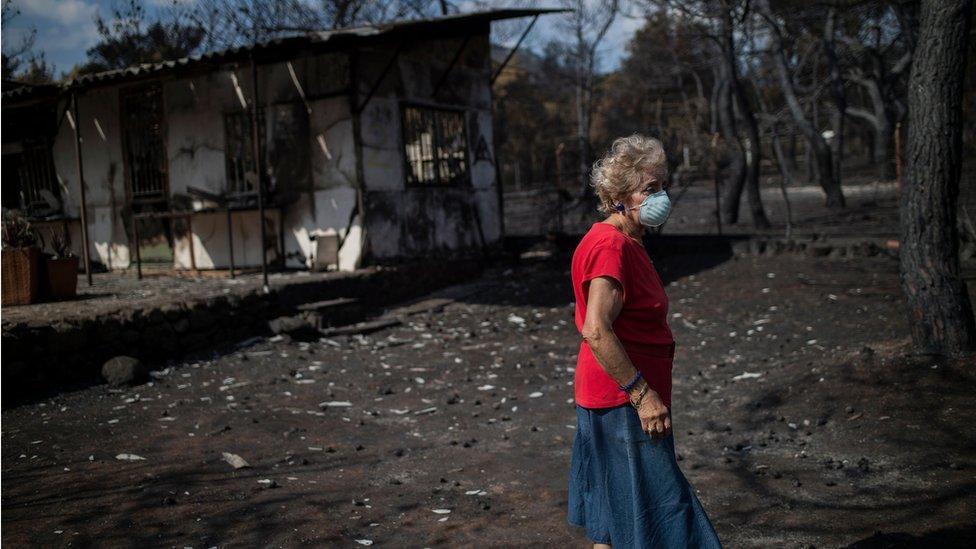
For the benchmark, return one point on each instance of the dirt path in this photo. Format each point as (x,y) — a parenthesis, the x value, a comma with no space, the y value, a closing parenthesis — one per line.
(797,417)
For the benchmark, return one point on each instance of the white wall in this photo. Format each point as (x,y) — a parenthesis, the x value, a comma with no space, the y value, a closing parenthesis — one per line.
(104,180)
(399,221)
(403,221)
(195,146)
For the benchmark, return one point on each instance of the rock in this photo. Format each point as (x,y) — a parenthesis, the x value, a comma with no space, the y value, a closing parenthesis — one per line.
(160,336)
(296,325)
(181,325)
(124,370)
(287,324)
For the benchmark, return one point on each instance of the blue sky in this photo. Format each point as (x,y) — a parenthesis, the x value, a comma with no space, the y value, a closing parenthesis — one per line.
(66,29)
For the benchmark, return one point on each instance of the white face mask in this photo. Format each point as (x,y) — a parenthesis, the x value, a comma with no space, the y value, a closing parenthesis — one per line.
(654,210)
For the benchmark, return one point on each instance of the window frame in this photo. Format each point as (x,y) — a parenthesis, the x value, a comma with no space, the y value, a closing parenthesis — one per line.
(44,148)
(136,197)
(408,167)
(248,138)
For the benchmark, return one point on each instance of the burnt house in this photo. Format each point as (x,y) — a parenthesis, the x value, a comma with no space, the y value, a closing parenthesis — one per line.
(375,145)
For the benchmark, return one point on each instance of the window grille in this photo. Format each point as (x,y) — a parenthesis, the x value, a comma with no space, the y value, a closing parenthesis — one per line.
(435,146)
(143,139)
(32,180)
(241,170)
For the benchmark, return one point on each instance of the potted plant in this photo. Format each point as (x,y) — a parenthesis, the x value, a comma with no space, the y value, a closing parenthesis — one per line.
(21,262)
(61,272)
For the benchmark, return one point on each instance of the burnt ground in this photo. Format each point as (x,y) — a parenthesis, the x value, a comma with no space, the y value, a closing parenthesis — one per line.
(799,414)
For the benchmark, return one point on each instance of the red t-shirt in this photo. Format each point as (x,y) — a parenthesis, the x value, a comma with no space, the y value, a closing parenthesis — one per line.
(642,326)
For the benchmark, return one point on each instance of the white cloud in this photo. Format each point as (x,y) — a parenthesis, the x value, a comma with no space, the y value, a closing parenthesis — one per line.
(61,12)
(65,28)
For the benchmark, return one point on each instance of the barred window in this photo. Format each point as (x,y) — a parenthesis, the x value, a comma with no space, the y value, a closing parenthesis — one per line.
(241,171)
(29,181)
(435,146)
(143,143)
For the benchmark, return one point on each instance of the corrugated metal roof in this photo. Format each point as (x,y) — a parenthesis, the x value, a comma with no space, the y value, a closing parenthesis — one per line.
(344,36)
(16,89)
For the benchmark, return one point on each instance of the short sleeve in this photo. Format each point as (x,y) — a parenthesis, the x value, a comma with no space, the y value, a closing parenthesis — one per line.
(603,259)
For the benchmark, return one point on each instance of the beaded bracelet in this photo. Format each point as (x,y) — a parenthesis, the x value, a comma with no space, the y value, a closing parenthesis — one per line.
(631,383)
(636,402)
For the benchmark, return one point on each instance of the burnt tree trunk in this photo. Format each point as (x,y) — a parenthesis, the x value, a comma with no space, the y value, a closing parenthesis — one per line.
(939,310)
(826,176)
(737,167)
(751,152)
(837,94)
(885,150)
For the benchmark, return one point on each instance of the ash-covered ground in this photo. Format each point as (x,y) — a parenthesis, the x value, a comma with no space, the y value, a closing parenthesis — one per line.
(799,417)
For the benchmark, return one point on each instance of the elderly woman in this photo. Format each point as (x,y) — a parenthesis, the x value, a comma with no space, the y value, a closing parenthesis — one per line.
(625,487)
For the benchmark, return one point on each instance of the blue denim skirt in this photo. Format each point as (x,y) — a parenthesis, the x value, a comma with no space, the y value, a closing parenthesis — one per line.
(625,488)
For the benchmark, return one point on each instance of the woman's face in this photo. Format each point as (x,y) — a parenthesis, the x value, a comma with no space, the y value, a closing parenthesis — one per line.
(633,201)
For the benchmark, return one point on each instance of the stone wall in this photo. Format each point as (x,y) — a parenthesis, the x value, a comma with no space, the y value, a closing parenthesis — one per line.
(41,359)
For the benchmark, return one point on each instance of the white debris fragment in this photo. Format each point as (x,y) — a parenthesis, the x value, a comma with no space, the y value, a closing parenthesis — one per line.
(515,319)
(335,404)
(129,457)
(441,511)
(486,387)
(746,375)
(536,394)
(364,541)
(236,461)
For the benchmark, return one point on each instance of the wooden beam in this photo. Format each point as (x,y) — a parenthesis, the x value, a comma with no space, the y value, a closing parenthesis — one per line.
(81,184)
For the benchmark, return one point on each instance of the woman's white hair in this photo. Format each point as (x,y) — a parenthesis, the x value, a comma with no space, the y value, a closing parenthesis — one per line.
(621,170)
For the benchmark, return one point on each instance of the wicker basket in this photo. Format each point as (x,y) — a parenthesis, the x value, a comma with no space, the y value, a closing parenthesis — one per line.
(21,281)
(60,281)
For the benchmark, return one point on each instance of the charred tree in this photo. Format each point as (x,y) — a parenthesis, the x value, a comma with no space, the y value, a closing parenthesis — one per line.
(749,148)
(826,175)
(836,93)
(939,310)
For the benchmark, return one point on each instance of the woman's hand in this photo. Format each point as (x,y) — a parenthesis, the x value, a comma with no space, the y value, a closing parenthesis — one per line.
(654,416)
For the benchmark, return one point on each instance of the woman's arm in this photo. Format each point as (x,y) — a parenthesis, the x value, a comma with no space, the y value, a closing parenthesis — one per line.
(603,304)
